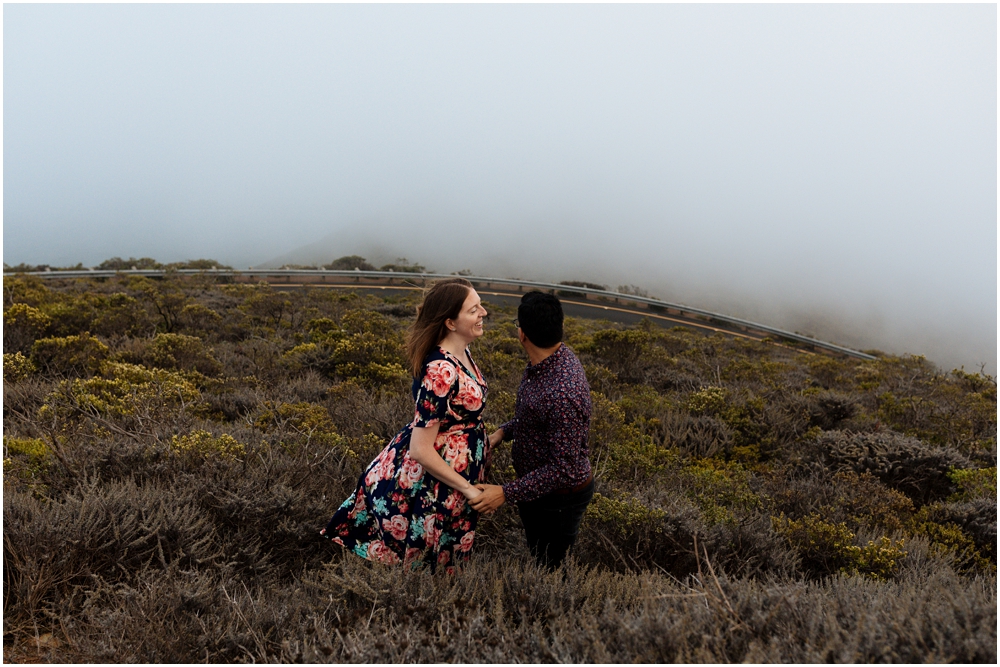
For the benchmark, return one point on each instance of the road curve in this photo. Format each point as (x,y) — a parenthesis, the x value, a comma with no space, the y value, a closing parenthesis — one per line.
(621,305)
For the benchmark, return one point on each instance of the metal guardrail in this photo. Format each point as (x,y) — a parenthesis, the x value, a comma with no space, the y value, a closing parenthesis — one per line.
(402,276)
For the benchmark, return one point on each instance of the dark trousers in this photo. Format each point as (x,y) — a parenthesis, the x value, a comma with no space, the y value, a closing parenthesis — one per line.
(552,522)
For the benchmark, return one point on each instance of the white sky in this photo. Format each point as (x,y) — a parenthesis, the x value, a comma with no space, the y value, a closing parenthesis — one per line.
(825,168)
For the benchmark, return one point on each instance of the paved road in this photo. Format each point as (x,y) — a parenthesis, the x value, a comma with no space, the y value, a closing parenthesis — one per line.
(574,308)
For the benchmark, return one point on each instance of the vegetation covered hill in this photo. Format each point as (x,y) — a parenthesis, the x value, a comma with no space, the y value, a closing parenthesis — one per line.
(172,448)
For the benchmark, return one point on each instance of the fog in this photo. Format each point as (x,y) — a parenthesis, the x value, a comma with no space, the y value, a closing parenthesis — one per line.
(830,169)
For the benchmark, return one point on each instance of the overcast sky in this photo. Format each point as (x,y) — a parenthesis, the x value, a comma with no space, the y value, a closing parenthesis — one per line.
(830,169)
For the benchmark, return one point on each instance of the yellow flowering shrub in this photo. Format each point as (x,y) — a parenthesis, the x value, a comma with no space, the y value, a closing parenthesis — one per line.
(77,354)
(624,514)
(202,444)
(122,390)
(27,458)
(17,367)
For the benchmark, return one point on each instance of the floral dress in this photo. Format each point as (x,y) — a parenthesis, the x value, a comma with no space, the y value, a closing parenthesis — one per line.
(401,514)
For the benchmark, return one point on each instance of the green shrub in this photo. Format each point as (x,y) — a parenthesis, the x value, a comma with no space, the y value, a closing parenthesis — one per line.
(720,490)
(974,483)
(623,515)
(33,448)
(198,319)
(620,350)
(977,519)
(619,448)
(827,548)
(866,501)
(120,314)
(308,419)
(950,541)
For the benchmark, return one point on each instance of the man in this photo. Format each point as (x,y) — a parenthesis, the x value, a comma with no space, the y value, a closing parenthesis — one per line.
(551,421)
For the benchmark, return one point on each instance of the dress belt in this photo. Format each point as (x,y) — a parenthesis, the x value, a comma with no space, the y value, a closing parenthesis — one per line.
(579,487)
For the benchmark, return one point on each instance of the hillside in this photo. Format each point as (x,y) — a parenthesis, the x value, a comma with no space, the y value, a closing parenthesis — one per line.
(172,447)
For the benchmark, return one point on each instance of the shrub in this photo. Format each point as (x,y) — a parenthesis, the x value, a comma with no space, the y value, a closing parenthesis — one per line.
(28,458)
(119,264)
(948,540)
(180,352)
(69,355)
(975,483)
(403,265)
(366,346)
(22,325)
(698,437)
(827,548)
(976,519)
(618,350)
(707,401)
(122,391)
(146,534)
(202,444)
(349,263)
(621,449)
(720,490)
(199,320)
(119,315)
(309,420)
(166,300)
(903,463)
(828,409)
(17,367)
(624,533)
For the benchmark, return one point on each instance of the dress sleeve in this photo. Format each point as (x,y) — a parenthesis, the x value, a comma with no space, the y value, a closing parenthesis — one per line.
(439,381)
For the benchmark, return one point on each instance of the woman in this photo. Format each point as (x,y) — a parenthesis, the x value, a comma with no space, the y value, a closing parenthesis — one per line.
(410,505)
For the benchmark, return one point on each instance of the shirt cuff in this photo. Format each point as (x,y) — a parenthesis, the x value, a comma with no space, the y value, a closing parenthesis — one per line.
(512,492)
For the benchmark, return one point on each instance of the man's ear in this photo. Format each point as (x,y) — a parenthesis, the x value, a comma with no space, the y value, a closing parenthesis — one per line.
(520,335)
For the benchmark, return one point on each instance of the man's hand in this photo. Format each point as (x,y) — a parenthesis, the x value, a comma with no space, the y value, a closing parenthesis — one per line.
(491,498)
(496,437)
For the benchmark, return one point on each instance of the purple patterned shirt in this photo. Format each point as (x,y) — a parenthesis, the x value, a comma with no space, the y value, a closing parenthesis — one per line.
(549,429)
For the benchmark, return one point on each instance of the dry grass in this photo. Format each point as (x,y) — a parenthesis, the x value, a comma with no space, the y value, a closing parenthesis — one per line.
(173,517)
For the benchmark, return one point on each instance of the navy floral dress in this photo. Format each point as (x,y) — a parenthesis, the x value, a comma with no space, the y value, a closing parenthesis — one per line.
(401,514)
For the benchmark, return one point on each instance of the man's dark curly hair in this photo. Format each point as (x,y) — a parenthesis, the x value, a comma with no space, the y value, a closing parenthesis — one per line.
(540,317)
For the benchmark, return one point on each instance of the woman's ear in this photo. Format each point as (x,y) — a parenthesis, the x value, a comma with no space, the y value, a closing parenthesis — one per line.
(449,325)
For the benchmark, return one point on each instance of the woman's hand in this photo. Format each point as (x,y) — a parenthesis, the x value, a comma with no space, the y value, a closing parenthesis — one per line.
(471,493)
(422,451)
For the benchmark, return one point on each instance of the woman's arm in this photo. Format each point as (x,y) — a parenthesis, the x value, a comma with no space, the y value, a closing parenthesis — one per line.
(422,451)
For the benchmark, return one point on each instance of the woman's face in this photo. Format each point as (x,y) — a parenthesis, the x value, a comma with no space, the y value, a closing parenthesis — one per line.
(469,323)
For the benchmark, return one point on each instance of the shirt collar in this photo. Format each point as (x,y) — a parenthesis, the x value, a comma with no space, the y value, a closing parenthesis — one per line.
(548,361)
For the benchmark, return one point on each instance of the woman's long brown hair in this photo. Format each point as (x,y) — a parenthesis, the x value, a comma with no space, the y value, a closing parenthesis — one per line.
(443,301)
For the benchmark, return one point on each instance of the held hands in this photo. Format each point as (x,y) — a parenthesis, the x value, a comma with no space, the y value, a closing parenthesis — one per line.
(496,437)
(471,492)
(490,498)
